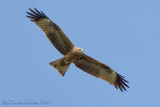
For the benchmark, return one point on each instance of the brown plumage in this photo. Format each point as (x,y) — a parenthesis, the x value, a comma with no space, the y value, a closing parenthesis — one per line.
(73,54)
(52,31)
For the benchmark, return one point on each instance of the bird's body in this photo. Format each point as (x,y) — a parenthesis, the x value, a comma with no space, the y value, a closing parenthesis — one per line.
(62,64)
(73,54)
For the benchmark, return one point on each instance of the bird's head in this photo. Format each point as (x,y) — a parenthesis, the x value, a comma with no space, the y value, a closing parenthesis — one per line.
(80,50)
(77,50)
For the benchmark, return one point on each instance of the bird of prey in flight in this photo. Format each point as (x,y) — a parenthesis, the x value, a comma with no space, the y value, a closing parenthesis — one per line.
(73,54)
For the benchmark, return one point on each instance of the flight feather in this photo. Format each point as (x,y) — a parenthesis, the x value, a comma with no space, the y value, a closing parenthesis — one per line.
(102,71)
(52,31)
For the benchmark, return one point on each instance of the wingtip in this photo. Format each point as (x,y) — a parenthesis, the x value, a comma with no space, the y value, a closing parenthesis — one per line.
(30,9)
(35,15)
(35,8)
(121,83)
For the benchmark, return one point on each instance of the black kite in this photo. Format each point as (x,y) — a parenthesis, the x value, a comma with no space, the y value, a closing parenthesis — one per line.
(73,54)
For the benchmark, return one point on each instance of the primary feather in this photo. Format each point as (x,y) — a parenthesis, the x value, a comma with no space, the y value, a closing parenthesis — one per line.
(52,31)
(102,71)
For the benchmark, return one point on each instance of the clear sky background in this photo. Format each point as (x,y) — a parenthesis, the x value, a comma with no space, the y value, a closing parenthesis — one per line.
(124,34)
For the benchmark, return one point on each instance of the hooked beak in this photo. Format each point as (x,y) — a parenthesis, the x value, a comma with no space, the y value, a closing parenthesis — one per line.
(82,50)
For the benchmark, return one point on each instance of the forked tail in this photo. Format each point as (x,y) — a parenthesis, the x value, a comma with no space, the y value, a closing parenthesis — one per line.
(61,65)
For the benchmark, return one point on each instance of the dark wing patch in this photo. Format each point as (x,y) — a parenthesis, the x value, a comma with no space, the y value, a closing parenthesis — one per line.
(121,83)
(102,71)
(52,31)
(36,15)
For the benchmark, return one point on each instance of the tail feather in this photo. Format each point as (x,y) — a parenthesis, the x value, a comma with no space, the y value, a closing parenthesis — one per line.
(60,65)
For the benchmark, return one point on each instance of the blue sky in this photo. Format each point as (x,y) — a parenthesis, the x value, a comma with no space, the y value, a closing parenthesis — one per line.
(124,34)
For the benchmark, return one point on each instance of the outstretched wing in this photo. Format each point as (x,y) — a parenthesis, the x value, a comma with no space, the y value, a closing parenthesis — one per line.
(52,31)
(102,71)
